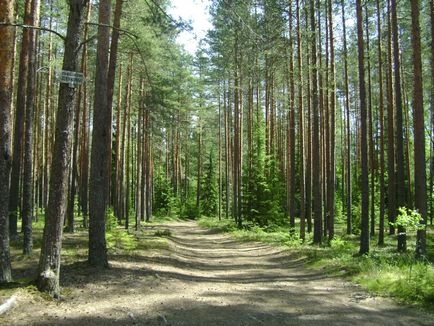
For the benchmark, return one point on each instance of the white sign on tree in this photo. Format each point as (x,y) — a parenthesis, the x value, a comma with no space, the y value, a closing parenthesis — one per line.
(72,78)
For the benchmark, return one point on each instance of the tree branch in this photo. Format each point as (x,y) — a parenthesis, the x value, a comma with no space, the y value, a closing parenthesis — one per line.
(34,27)
(115,28)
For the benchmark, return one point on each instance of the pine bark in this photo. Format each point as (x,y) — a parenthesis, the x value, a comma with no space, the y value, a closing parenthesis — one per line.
(14,198)
(370,129)
(301,126)
(419,130)
(381,108)
(391,172)
(348,125)
(6,85)
(27,212)
(332,168)
(291,128)
(308,133)
(101,142)
(112,73)
(49,262)
(400,176)
(432,115)
(316,151)
(364,236)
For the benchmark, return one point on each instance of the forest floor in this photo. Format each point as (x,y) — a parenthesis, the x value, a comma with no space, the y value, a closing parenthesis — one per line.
(181,274)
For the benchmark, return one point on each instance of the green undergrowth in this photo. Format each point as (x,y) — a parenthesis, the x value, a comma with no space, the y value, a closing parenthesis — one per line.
(383,271)
(117,237)
(163,218)
(121,239)
(163,233)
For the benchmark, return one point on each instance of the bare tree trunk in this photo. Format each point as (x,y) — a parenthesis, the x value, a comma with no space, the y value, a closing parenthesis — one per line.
(309,134)
(48,117)
(227,149)
(370,130)
(301,126)
(419,130)
(149,166)
(17,152)
(112,72)
(332,169)
(291,128)
(117,186)
(27,212)
(347,110)
(381,108)
(121,172)
(390,131)
(400,175)
(364,236)
(199,166)
(139,169)
(128,163)
(220,160)
(49,262)
(6,85)
(316,151)
(432,116)
(84,150)
(101,142)
(71,204)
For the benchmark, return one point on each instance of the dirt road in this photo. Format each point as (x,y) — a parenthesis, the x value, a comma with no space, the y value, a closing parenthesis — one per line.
(206,278)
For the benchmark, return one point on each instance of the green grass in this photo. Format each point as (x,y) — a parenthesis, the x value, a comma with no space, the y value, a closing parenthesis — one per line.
(383,271)
(163,233)
(120,238)
(158,219)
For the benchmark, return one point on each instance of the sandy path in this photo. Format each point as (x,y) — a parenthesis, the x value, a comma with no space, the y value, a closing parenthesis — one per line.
(209,279)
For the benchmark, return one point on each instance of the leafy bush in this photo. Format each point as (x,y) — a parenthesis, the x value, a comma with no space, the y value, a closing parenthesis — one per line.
(408,219)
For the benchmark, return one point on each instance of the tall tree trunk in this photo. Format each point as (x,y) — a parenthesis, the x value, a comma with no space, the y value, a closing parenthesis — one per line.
(112,73)
(149,165)
(419,130)
(364,236)
(301,126)
(17,152)
(49,262)
(391,173)
(348,124)
(84,151)
(370,129)
(220,159)
(72,191)
(309,133)
(291,128)
(101,142)
(381,108)
(332,169)
(227,146)
(139,170)
(48,110)
(128,164)
(432,116)
(119,131)
(323,107)
(316,151)
(400,176)
(199,167)
(6,85)
(27,212)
